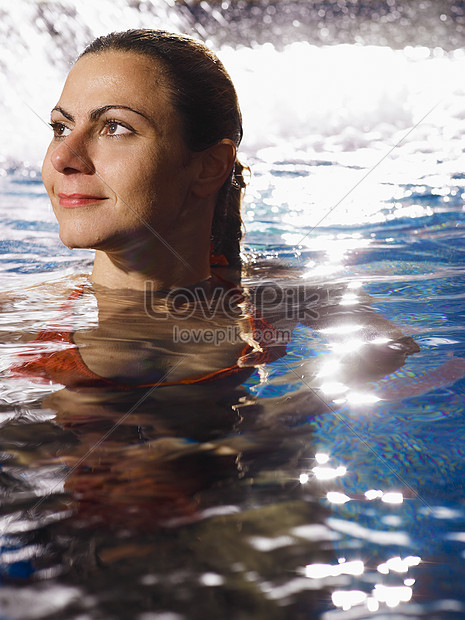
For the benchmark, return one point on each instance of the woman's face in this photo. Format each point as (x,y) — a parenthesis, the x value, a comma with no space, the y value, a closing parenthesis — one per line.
(117,168)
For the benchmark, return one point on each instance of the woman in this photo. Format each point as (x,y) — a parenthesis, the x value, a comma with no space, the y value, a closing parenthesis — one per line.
(142,166)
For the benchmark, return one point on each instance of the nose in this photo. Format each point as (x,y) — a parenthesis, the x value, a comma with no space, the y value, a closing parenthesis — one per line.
(72,155)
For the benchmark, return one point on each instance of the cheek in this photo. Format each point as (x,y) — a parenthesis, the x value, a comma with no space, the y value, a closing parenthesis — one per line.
(138,179)
(47,171)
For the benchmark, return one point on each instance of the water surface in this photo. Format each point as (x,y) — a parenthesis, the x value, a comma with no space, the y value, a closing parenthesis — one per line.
(286,493)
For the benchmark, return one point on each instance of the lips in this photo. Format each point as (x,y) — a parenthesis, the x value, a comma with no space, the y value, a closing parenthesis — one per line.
(78,200)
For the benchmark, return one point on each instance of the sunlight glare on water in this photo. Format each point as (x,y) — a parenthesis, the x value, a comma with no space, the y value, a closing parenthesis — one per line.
(396,114)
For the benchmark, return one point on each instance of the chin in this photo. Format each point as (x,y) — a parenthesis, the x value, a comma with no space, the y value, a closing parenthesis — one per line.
(74,241)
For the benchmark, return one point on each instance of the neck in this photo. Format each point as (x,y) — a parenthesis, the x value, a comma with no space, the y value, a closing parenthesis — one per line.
(170,269)
(178,256)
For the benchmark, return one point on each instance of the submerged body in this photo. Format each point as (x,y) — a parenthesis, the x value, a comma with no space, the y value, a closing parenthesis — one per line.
(205,333)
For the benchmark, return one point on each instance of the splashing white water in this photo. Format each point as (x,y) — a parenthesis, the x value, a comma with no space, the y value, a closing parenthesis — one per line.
(299,104)
(308,100)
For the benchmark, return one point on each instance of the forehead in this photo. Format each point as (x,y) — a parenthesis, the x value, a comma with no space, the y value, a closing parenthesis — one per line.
(117,77)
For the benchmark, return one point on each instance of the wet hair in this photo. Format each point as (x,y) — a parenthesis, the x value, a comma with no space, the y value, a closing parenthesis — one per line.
(203,94)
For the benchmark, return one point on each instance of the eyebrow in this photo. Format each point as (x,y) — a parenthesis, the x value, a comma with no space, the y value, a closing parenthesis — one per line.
(95,114)
(64,113)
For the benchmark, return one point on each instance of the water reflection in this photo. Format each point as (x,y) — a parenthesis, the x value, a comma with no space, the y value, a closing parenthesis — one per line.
(328,473)
(321,571)
(398,565)
(198,491)
(392,596)
(334,497)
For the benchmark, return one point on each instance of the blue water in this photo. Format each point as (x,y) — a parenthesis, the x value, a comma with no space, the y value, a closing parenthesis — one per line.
(406,449)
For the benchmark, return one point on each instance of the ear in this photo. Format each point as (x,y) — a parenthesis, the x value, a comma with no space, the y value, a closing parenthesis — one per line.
(214,167)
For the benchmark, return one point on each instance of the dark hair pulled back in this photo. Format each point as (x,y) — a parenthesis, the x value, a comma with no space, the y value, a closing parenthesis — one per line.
(203,95)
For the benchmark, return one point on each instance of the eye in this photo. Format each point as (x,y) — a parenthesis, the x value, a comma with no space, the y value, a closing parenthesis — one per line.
(116,128)
(60,130)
